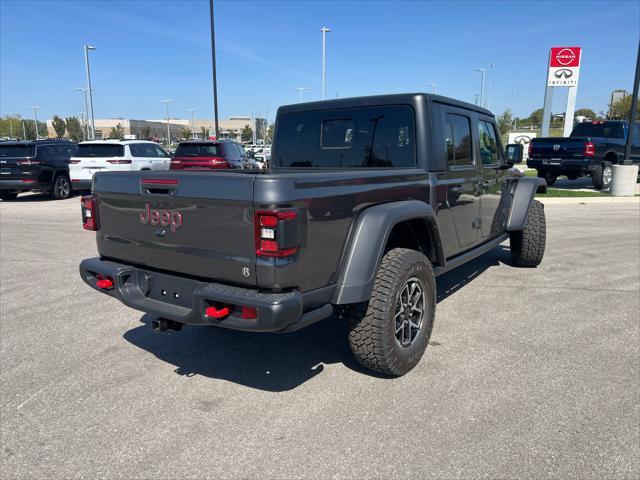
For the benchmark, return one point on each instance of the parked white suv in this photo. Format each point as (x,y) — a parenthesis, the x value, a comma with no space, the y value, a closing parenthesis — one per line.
(114,155)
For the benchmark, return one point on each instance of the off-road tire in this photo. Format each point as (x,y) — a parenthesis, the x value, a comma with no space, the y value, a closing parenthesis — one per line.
(372,325)
(8,196)
(549,177)
(598,177)
(527,245)
(61,188)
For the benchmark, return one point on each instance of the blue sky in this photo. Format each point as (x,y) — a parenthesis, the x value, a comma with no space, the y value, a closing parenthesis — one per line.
(151,50)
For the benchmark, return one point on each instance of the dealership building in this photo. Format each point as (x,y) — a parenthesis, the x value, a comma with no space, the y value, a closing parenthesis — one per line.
(229,128)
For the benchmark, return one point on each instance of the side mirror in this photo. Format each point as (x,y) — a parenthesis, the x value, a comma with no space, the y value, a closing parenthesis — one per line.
(514,153)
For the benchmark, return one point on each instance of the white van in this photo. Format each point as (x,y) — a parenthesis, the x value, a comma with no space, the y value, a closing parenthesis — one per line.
(114,155)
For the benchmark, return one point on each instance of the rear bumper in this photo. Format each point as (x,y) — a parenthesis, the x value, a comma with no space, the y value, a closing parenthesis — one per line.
(19,185)
(184,300)
(78,184)
(564,165)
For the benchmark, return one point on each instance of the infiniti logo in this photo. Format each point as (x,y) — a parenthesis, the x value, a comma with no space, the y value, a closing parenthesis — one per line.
(563,73)
(522,140)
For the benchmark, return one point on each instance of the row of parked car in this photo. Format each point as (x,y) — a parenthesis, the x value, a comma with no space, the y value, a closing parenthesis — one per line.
(58,167)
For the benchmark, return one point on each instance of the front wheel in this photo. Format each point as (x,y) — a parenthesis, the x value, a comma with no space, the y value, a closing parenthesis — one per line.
(601,176)
(391,333)
(61,188)
(527,245)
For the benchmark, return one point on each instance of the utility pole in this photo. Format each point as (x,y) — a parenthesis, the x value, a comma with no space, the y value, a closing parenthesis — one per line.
(634,111)
(433,87)
(24,131)
(86,63)
(483,71)
(84,137)
(300,92)
(324,31)
(213,63)
(167,102)
(35,114)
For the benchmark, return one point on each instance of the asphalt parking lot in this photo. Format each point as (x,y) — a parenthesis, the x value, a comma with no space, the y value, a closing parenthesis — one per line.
(530,373)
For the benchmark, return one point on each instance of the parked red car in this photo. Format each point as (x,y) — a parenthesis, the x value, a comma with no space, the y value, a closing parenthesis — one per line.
(210,154)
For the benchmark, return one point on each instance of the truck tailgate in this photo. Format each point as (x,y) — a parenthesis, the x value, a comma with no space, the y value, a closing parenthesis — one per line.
(196,223)
(564,148)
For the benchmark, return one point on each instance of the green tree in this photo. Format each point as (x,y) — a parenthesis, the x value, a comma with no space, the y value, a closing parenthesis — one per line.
(30,129)
(270,131)
(117,132)
(11,126)
(620,110)
(586,112)
(536,117)
(247,134)
(74,129)
(204,131)
(185,132)
(145,132)
(59,126)
(505,121)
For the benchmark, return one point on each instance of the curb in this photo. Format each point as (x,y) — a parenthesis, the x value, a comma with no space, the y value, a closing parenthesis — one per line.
(586,200)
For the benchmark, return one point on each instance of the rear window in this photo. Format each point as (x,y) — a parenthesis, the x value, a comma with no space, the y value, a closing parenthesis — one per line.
(198,150)
(17,150)
(100,150)
(606,130)
(346,138)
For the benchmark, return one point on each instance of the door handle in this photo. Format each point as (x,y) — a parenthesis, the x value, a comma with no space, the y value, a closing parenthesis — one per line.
(456,189)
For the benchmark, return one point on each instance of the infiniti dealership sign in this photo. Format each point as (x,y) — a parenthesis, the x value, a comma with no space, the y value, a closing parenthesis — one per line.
(522,138)
(564,67)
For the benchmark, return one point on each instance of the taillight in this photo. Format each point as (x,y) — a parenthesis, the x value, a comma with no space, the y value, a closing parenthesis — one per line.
(589,149)
(104,282)
(530,149)
(276,233)
(89,212)
(28,162)
(118,162)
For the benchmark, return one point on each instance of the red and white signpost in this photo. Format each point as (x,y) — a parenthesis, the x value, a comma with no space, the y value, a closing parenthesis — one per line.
(563,71)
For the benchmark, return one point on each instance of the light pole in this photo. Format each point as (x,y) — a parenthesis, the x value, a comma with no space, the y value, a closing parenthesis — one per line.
(84,137)
(489,82)
(213,63)
(300,92)
(481,85)
(324,31)
(86,63)
(167,102)
(193,121)
(35,114)
(24,130)
(433,87)
(86,109)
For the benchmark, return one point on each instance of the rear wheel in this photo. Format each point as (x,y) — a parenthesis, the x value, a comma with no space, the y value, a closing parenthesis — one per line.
(549,176)
(527,245)
(61,187)
(601,176)
(8,195)
(391,332)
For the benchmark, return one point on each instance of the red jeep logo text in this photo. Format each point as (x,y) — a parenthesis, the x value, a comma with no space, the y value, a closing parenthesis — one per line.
(164,218)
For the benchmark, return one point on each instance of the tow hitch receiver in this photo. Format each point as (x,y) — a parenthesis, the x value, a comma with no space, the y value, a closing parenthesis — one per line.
(162,325)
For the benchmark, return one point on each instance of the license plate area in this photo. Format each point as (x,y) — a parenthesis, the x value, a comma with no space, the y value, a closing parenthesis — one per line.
(167,288)
(5,171)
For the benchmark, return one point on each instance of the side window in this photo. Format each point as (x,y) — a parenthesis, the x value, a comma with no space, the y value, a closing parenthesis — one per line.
(635,134)
(47,152)
(488,143)
(136,150)
(149,150)
(458,141)
(160,151)
(243,153)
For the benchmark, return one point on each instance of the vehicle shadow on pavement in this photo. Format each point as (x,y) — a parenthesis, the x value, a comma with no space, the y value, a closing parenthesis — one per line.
(277,362)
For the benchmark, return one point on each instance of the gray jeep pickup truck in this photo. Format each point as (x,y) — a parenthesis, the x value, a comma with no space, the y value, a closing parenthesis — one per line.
(367,200)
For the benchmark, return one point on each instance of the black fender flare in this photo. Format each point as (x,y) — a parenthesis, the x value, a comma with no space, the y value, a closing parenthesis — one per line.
(523,195)
(367,242)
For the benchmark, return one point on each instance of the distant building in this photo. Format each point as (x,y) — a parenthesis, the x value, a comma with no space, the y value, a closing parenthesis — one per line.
(616,96)
(229,128)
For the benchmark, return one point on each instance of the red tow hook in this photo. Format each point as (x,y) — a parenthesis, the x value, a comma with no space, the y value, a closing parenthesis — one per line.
(104,283)
(214,312)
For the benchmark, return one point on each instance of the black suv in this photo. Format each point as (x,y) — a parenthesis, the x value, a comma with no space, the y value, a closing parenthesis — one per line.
(40,165)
